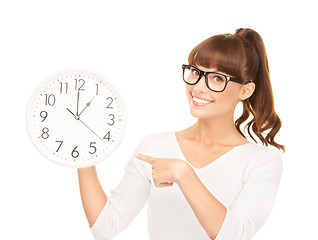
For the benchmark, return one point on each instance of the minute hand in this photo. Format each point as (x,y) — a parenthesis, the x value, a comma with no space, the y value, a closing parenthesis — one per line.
(77,103)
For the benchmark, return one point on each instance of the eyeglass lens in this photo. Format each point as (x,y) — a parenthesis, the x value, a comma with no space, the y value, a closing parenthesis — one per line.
(215,81)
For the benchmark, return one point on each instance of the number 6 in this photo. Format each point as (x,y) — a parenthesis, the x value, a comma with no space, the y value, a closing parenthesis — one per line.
(75,153)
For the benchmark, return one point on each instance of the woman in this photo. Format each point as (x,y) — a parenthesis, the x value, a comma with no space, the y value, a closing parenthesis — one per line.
(206,181)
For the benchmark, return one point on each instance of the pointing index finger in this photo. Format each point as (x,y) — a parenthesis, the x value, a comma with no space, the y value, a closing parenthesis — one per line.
(145,158)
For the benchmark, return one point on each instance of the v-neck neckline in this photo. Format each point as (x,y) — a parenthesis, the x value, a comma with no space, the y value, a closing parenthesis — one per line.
(211,164)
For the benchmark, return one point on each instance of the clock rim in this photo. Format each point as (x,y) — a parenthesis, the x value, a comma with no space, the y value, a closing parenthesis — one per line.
(49,78)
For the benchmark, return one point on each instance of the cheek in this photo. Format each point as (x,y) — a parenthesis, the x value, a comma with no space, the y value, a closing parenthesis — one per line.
(228,99)
(189,92)
(189,97)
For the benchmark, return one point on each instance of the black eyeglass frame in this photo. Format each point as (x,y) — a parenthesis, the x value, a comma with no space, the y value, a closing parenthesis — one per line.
(205,74)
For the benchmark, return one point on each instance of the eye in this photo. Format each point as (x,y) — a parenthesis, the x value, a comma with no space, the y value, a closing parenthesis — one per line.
(218,79)
(195,72)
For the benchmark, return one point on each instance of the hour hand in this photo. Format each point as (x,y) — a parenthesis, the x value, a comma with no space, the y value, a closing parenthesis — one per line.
(71,112)
(87,105)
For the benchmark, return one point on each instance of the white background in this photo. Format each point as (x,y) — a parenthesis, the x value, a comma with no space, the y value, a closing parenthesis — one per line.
(140,45)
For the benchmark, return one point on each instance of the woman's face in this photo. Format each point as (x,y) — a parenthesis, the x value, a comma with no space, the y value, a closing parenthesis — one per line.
(217,104)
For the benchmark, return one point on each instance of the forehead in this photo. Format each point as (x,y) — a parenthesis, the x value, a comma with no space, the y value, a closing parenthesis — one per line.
(205,69)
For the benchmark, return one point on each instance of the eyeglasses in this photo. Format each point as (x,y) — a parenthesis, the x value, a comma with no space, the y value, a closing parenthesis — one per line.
(216,82)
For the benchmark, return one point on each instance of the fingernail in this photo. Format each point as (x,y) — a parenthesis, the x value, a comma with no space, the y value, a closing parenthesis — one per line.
(137,155)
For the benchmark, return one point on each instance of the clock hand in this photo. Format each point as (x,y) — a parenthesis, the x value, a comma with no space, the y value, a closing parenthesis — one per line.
(71,112)
(77,118)
(87,105)
(77,102)
(90,129)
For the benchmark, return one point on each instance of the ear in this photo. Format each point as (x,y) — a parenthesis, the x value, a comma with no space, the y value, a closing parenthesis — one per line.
(247,90)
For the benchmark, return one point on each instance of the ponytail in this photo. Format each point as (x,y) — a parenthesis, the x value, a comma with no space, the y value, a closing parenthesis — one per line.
(261,103)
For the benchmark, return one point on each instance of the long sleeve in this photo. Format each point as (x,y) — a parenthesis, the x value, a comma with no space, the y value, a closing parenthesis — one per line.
(126,201)
(255,202)
(245,180)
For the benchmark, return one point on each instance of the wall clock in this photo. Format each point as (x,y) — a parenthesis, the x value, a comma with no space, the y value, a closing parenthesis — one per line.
(76,118)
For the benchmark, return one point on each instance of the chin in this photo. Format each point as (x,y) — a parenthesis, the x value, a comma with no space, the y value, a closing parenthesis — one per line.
(201,115)
(208,112)
(201,112)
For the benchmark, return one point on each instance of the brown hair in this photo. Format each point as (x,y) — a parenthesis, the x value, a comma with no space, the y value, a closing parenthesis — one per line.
(243,55)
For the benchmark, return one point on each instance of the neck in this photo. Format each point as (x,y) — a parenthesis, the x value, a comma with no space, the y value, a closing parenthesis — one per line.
(218,131)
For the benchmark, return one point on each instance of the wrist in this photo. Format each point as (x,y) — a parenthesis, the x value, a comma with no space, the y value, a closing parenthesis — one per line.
(185,172)
(86,171)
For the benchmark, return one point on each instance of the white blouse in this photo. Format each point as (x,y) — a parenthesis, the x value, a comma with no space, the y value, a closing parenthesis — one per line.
(245,180)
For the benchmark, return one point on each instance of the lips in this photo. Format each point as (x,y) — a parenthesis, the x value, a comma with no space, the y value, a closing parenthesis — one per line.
(200,101)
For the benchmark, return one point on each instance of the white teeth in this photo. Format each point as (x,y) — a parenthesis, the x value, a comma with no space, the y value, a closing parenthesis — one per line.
(201,101)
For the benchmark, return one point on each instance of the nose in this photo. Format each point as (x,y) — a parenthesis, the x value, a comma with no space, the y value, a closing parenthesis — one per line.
(201,85)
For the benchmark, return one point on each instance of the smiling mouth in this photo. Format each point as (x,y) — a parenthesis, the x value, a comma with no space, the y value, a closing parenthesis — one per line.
(199,101)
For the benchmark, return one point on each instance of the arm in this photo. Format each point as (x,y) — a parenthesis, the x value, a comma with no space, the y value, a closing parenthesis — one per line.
(208,210)
(247,213)
(92,194)
(110,215)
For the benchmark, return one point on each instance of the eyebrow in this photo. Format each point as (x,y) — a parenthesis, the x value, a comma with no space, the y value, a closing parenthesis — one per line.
(216,71)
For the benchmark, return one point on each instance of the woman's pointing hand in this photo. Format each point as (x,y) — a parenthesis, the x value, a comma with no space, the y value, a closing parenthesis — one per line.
(166,171)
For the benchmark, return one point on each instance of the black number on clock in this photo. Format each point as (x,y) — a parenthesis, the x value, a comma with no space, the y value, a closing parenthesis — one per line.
(80,83)
(96,89)
(107,136)
(49,99)
(61,142)
(112,119)
(61,87)
(43,115)
(75,153)
(93,147)
(111,101)
(45,133)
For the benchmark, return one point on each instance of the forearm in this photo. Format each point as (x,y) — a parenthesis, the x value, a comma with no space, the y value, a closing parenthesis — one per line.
(92,194)
(208,210)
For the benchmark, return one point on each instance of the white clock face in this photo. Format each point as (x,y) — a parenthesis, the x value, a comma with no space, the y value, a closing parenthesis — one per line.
(76,118)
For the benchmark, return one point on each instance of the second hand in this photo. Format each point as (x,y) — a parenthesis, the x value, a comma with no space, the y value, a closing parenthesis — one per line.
(90,129)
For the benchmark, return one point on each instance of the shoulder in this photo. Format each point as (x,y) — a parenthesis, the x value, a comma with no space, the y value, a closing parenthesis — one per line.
(261,151)
(263,158)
